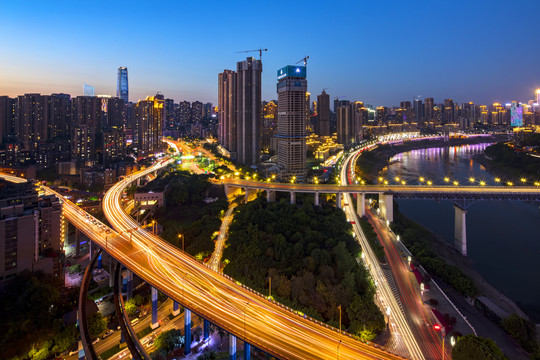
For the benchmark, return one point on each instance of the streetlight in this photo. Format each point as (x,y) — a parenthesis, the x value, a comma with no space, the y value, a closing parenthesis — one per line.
(429,182)
(422,288)
(446,179)
(269,287)
(523,180)
(498,180)
(397,238)
(316,180)
(471,179)
(181,236)
(339,307)
(456,183)
(422,179)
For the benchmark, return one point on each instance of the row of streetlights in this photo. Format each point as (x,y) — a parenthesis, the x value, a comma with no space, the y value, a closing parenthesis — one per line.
(447,180)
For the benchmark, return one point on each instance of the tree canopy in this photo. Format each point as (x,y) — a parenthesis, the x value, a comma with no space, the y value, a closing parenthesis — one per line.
(311,257)
(473,347)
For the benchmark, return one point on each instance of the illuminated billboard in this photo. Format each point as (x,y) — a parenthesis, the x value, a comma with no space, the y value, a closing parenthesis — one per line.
(516,114)
(291,71)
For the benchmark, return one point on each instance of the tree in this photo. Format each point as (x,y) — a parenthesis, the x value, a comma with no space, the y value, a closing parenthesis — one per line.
(65,339)
(221,334)
(211,355)
(524,331)
(477,348)
(97,325)
(169,340)
(130,306)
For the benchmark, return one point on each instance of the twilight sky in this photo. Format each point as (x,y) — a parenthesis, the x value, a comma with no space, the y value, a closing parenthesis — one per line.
(379,52)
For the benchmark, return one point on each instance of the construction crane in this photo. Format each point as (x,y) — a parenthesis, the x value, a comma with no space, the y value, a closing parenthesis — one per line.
(259,50)
(304,60)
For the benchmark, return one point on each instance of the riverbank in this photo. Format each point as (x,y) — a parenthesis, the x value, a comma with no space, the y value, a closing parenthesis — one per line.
(378,159)
(374,161)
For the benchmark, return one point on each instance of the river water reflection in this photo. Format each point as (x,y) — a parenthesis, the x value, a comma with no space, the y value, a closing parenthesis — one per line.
(503,236)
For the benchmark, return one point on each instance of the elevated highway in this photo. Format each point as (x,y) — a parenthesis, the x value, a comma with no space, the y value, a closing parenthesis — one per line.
(239,310)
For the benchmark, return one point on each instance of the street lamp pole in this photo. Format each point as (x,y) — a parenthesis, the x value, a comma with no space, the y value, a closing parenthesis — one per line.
(269,286)
(339,307)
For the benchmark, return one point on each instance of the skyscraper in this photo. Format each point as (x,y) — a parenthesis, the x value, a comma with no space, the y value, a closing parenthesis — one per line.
(418,112)
(122,89)
(428,109)
(449,116)
(248,89)
(291,89)
(149,120)
(88,90)
(86,118)
(323,112)
(227,110)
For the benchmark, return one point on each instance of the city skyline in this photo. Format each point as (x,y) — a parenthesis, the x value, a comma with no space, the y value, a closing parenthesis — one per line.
(466,55)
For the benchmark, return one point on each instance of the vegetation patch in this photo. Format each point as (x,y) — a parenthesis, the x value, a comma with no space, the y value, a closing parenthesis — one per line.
(312,259)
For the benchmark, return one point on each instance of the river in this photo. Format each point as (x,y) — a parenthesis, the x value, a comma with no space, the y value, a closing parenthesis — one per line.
(503,237)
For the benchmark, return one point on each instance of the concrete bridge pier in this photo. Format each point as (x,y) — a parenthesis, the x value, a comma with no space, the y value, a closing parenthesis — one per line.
(247,351)
(129,284)
(338,200)
(316,195)
(206,329)
(293,198)
(187,331)
(154,324)
(270,196)
(111,277)
(77,242)
(460,230)
(361,204)
(232,347)
(386,204)
(249,192)
(175,308)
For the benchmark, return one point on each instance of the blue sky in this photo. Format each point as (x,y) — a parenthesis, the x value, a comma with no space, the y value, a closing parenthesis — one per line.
(379,52)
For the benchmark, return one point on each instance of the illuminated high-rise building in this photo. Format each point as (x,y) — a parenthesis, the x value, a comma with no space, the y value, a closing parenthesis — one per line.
(323,112)
(86,118)
(248,108)
(148,123)
(449,113)
(428,109)
(538,96)
(88,90)
(122,88)
(418,112)
(227,111)
(291,136)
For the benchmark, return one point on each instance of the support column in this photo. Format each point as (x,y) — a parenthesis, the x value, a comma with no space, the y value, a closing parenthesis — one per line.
(90,248)
(154,323)
(338,200)
(247,351)
(386,204)
(206,329)
(138,181)
(100,261)
(175,308)
(77,242)
(316,199)
(80,354)
(129,284)
(361,204)
(246,196)
(232,347)
(187,331)
(460,230)
(270,196)
(111,277)
(293,198)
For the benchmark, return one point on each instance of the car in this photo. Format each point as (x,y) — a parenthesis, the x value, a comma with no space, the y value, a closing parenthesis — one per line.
(95,341)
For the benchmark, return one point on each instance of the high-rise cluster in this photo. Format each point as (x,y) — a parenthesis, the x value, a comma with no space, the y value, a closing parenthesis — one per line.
(239,103)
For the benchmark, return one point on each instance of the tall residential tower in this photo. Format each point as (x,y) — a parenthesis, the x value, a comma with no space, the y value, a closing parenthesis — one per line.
(291,134)
(248,75)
